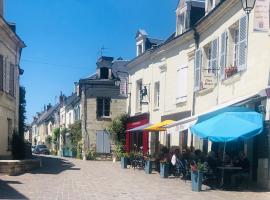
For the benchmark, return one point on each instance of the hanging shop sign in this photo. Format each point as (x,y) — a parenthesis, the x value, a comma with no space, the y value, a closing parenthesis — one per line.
(261,15)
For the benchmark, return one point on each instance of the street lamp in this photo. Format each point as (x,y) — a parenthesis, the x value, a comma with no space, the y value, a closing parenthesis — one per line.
(248,5)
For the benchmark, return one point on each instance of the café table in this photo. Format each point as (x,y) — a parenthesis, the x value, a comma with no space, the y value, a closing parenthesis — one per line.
(228,168)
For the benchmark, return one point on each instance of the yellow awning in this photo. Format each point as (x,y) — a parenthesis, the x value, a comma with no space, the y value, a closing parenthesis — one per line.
(159,126)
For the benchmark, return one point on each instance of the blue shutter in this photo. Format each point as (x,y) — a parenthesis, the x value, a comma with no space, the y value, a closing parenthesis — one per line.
(197,70)
(223,54)
(242,43)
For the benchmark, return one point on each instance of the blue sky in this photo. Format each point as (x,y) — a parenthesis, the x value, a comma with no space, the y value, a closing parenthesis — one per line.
(63,38)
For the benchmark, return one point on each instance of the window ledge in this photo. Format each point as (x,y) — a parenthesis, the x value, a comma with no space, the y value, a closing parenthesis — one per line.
(232,79)
(156,109)
(205,91)
(181,101)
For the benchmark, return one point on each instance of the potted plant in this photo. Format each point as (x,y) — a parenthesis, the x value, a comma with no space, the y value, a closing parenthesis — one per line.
(164,168)
(196,175)
(148,165)
(124,160)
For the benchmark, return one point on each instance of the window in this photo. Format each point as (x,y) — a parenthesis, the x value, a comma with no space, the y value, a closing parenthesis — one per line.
(104,73)
(138,95)
(210,60)
(1,73)
(77,113)
(181,23)
(140,49)
(69,118)
(103,107)
(156,95)
(9,123)
(182,81)
(237,47)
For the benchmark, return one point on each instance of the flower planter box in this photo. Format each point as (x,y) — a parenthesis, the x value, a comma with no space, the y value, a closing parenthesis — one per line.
(124,162)
(148,167)
(164,170)
(196,179)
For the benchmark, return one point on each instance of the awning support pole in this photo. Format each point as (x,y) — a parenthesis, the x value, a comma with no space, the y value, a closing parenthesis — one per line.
(224,152)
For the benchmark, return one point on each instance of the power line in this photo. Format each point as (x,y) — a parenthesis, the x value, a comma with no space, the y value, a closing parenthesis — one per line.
(52,64)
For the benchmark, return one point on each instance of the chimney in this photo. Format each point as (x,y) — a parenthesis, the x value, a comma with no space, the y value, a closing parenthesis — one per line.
(104,67)
(2,8)
(49,106)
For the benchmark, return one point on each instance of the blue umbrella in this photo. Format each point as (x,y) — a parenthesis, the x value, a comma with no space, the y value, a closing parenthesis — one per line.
(229,126)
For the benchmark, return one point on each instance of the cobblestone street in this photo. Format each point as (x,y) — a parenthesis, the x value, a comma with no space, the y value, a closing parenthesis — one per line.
(74,179)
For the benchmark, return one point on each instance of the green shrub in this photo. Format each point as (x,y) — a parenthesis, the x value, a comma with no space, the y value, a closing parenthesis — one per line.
(79,150)
(91,155)
(18,146)
(118,151)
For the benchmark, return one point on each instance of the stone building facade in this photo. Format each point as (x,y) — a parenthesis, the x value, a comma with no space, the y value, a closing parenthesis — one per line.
(101,101)
(10,52)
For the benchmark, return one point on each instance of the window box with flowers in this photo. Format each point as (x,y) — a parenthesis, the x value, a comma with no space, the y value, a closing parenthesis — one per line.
(230,71)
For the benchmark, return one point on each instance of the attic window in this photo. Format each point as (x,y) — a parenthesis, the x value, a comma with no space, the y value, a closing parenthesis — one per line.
(181,23)
(104,73)
(140,49)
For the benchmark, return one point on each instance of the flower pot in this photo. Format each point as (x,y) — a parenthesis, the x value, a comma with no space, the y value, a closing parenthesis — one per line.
(124,161)
(148,167)
(164,170)
(196,179)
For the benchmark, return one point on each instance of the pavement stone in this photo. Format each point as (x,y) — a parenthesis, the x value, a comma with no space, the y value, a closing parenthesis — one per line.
(68,179)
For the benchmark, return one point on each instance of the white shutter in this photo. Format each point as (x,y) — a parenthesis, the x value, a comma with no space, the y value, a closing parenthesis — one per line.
(197,70)
(182,82)
(242,43)
(214,49)
(223,54)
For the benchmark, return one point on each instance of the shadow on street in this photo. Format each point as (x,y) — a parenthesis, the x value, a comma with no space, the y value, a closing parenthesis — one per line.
(8,192)
(54,165)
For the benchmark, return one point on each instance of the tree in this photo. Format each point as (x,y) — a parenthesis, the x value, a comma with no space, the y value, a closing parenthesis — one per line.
(18,144)
(22,111)
(56,135)
(75,134)
(117,129)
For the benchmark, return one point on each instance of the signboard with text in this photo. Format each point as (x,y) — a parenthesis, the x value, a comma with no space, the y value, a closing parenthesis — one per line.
(261,15)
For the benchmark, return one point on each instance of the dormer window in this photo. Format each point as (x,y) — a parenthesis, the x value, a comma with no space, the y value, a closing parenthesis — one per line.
(181,26)
(104,73)
(140,49)
(211,4)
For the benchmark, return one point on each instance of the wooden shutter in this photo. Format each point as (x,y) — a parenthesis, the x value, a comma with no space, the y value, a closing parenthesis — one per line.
(197,70)
(11,79)
(182,81)
(7,75)
(242,43)
(1,73)
(223,54)
(214,52)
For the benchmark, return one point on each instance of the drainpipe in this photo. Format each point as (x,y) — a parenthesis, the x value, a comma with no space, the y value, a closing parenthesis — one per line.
(196,38)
